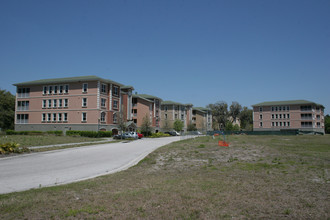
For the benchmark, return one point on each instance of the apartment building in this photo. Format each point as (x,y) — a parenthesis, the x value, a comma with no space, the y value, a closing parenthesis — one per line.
(171,111)
(301,115)
(75,103)
(144,105)
(202,119)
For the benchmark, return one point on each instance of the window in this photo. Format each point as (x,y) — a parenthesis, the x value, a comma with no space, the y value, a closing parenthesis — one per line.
(103,103)
(55,89)
(260,109)
(318,124)
(165,116)
(44,103)
(66,90)
(103,117)
(55,103)
(283,108)
(276,109)
(260,124)
(115,118)
(288,115)
(288,108)
(306,108)
(176,116)
(284,124)
(288,124)
(273,124)
(54,117)
(84,102)
(84,117)
(23,105)
(60,103)
(272,108)
(49,103)
(104,88)
(280,108)
(61,89)
(280,124)
(150,107)
(260,117)
(66,103)
(85,87)
(45,90)
(50,89)
(280,115)
(22,118)
(318,117)
(307,124)
(276,116)
(166,108)
(284,115)
(23,92)
(273,116)
(49,117)
(65,116)
(182,117)
(276,124)
(59,116)
(43,117)
(115,91)
(115,104)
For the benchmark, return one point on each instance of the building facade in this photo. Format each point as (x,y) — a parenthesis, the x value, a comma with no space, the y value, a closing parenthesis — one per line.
(76,103)
(202,119)
(171,111)
(300,115)
(146,106)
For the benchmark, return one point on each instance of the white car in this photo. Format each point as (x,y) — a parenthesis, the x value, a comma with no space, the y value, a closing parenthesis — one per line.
(131,135)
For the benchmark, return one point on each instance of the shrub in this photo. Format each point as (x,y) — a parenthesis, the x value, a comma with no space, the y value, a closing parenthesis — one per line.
(91,134)
(12,148)
(56,133)
(12,132)
(159,134)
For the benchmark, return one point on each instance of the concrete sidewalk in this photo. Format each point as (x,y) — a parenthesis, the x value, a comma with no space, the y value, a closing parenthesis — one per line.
(68,144)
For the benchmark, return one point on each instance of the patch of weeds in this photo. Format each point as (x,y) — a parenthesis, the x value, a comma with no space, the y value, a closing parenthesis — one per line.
(87,210)
(258,166)
(141,211)
(147,160)
(232,159)
(201,146)
(287,212)
(276,160)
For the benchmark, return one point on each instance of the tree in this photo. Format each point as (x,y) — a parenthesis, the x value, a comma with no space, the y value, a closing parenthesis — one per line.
(7,110)
(166,125)
(246,118)
(327,124)
(121,121)
(191,127)
(146,126)
(178,125)
(234,110)
(220,114)
(229,126)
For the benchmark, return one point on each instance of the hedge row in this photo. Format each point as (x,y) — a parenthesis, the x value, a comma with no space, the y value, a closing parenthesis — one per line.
(92,134)
(12,132)
(12,148)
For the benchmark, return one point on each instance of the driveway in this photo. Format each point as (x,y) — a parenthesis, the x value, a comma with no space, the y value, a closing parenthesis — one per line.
(51,168)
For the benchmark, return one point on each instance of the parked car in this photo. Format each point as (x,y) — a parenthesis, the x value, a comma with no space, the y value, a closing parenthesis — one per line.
(173,133)
(126,135)
(140,135)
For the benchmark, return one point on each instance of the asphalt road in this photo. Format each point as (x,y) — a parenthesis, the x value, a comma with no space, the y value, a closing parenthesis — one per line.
(57,167)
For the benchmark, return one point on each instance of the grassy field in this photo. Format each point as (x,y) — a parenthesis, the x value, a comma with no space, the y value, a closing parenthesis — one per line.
(41,140)
(269,177)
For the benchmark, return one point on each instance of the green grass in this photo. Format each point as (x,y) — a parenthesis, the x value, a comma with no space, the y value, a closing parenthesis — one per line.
(41,140)
(268,177)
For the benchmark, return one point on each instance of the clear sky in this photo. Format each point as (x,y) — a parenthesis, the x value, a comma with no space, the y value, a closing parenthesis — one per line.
(187,51)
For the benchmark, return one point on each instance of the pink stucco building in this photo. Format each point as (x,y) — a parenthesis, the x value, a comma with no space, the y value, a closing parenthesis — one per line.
(299,115)
(75,103)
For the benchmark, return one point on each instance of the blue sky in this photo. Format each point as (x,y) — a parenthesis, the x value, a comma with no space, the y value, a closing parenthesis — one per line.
(186,51)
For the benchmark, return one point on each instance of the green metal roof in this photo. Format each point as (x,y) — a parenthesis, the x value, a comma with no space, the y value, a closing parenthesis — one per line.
(201,109)
(67,80)
(175,103)
(292,102)
(146,96)
(140,97)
